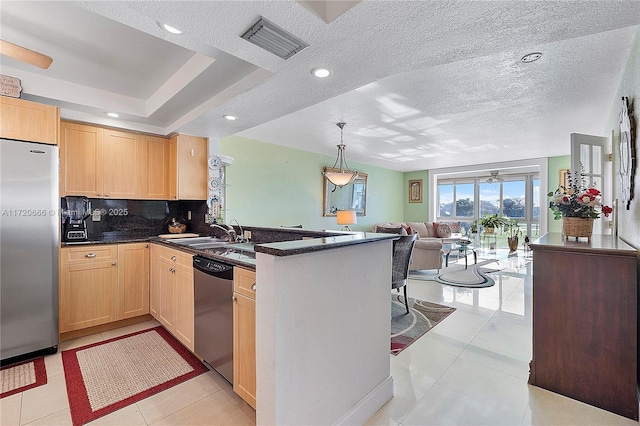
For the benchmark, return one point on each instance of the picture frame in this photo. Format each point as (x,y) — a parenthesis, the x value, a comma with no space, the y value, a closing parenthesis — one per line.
(563,179)
(415,191)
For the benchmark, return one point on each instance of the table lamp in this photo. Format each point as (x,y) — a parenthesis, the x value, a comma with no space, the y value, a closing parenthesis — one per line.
(346,218)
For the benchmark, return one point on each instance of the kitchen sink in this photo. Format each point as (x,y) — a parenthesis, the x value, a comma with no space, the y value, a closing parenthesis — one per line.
(200,242)
(241,246)
(204,243)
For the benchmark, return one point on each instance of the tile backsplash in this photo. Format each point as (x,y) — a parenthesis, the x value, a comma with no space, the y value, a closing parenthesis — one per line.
(143,217)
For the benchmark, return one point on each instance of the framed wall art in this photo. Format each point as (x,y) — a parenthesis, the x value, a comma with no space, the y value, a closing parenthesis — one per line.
(415,191)
(563,179)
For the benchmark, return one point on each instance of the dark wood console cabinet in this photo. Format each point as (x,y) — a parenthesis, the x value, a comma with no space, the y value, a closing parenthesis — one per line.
(585,321)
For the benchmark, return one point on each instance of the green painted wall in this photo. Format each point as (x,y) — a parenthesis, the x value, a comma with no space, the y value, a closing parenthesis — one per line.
(272,185)
(554,166)
(416,212)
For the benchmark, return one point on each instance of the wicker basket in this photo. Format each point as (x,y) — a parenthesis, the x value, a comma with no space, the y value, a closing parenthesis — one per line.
(577,227)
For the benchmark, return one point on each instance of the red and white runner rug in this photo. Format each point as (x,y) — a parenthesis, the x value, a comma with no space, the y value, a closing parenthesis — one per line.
(104,377)
(21,377)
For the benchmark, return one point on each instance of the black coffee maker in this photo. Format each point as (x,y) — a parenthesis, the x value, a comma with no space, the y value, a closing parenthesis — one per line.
(77,210)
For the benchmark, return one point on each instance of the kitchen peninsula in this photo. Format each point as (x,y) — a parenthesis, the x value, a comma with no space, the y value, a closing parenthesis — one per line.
(321,321)
(322,329)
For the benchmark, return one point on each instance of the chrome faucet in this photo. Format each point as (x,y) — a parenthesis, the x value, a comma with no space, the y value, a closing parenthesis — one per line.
(240,238)
(228,229)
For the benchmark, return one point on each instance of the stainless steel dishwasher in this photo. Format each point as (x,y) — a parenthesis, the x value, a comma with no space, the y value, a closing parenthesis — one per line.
(213,310)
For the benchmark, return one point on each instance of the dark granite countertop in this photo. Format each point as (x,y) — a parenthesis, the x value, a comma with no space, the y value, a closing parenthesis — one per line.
(292,248)
(312,241)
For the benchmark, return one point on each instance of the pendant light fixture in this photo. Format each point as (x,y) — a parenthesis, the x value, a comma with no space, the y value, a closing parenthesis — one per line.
(341,175)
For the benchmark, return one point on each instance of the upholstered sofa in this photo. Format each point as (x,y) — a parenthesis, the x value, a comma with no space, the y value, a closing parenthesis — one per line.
(427,252)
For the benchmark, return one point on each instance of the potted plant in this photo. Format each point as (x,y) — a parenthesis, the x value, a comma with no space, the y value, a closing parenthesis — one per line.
(490,222)
(512,228)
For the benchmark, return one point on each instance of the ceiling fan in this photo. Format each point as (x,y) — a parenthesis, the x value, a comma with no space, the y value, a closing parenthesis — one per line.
(25,55)
(494,177)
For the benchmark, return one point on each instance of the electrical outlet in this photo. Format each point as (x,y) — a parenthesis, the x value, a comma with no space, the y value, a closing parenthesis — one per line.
(208,219)
(247,234)
(95,215)
(188,214)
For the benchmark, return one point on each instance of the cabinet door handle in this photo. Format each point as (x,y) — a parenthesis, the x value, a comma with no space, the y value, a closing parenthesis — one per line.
(146,246)
(174,258)
(113,263)
(99,194)
(253,287)
(233,299)
(90,255)
(106,195)
(172,270)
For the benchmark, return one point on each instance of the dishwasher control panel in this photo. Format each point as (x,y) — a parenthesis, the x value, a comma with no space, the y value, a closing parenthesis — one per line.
(210,266)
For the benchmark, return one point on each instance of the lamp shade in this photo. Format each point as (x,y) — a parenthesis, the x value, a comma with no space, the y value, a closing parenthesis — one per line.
(340,179)
(347,217)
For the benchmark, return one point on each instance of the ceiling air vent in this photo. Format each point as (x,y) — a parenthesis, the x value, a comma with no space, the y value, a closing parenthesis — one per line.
(274,39)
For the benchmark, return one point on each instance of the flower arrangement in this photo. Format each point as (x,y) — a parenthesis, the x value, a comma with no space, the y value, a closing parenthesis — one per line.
(576,200)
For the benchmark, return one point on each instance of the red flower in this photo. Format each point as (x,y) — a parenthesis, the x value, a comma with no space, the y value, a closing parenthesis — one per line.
(606,210)
(593,192)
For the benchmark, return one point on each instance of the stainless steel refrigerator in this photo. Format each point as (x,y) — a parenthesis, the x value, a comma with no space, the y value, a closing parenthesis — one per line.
(29,240)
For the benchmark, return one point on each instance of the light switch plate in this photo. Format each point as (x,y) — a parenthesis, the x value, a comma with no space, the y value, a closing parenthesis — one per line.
(95,215)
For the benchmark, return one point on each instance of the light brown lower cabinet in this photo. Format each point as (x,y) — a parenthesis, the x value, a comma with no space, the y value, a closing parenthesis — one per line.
(102,283)
(133,280)
(171,292)
(244,334)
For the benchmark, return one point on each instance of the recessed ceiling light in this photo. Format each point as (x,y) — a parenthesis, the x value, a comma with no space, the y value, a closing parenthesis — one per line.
(230,117)
(169,28)
(531,57)
(321,72)
(113,115)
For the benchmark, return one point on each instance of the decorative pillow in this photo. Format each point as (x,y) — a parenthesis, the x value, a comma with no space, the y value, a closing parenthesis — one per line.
(407,229)
(455,227)
(430,228)
(419,227)
(444,230)
(384,230)
(435,229)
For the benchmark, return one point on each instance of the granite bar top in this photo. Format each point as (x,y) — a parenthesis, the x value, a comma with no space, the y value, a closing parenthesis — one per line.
(308,241)
(292,248)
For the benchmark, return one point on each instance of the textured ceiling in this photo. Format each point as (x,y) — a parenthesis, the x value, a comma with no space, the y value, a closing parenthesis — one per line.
(421,84)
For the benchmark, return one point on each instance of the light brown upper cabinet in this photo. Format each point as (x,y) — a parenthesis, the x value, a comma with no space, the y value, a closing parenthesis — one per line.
(122,156)
(188,168)
(98,162)
(156,152)
(28,121)
(80,160)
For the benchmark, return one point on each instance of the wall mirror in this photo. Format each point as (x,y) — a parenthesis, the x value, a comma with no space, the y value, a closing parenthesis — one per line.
(349,197)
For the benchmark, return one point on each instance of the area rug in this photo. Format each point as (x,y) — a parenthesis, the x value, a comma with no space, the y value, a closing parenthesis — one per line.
(24,376)
(104,377)
(406,328)
(475,276)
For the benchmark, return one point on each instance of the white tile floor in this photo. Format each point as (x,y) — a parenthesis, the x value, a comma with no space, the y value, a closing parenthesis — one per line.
(207,399)
(471,369)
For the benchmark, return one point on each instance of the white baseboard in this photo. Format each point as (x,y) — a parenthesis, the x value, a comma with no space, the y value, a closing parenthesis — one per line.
(367,406)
